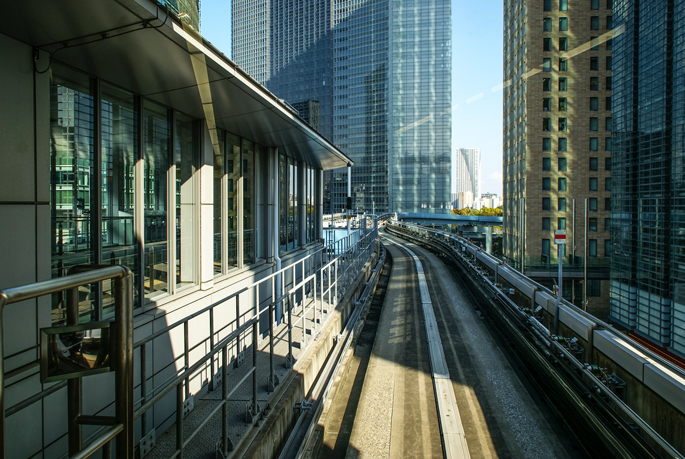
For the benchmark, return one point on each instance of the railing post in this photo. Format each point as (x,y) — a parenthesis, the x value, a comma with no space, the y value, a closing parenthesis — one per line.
(237,326)
(224,408)
(273,379)
(143,388)
(179,420)
(73,385)
(289,360)
(123,361)
(186,357)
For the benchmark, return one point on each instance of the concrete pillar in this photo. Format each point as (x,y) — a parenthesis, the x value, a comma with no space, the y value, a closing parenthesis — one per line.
(488,239)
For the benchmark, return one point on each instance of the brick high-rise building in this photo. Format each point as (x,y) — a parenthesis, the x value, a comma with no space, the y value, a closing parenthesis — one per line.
(557,141)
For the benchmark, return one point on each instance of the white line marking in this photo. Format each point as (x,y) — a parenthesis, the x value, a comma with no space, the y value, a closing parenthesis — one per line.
(451,428)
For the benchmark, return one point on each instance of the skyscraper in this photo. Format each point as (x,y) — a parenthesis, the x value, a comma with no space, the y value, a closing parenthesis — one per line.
(557,142)
(466,171)
(648,166)
(381,72)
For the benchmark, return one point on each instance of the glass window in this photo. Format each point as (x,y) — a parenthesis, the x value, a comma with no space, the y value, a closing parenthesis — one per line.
(562,104)
(545,203)
(561,203)
(546,184)
(546,104)
(593,183)
(72,151)
(609,45)
(547,5)
(563,5)
(232,150)
(562,184)
(547,24)
(594,4)
(594,63)
(563,64)
(607,224)
(593,143)
(594,123)
(594,104)
(608,103)
(219,172)
(283,204)
(607,143)
(562,165)
(185,154)
(561,223)
(563,24)
(607,204)
(594,84)
(607,123)
(592,248)
(594,23)
(593,163)
(546,124)
(119,121)
(608,62)
(546,164)
(545,247)
(608,83)
(292,204)
(156,165)
(610,22)
(607,248)
(248,179)
(592,204)
(563,44)
(547,44)
(547,64)
(562,143)
(607,163)
(545,224)
(562,84)
(607,184)
(546,144)
(562,124)
(594,43)
(546,84)
(594,287)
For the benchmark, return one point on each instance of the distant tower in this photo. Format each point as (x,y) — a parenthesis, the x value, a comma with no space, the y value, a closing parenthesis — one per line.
(466,172)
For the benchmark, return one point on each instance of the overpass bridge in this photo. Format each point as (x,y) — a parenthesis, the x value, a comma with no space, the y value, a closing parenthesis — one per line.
(448,219)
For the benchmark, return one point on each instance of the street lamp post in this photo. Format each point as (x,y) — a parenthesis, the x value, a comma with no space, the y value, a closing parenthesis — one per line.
(560,240)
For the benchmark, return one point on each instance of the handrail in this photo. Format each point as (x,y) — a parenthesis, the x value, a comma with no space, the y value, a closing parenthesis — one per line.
(122,356)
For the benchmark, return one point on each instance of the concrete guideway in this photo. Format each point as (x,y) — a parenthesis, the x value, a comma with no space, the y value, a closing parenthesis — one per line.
(451,429)
(396,415)
(499,416)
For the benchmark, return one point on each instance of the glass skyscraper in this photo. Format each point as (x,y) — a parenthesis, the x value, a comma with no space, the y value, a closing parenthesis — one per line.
(381,73)
(648,168)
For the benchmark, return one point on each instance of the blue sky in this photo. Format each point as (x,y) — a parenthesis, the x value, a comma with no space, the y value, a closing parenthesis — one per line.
(476,70)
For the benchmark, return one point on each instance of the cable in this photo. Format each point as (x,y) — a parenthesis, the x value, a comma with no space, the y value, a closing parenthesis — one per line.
(103,36)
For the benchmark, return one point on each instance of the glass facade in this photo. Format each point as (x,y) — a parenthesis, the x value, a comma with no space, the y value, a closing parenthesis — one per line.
(648,166)
(368,83)
(95,218)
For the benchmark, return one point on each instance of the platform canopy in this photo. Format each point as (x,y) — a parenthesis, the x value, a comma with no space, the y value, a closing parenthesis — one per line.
(142,47)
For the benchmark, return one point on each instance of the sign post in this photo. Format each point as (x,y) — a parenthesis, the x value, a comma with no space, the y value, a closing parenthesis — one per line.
(559,240)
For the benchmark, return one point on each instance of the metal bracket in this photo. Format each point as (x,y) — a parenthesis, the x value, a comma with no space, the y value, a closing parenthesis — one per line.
(289,361)
(147,443)
(239,359)
(218,449)
(251,412)
(188,405)
(271,383)
(216,380)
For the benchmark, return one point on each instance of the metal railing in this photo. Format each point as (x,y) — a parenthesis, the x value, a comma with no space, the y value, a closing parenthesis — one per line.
(311,283)
(120,426)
